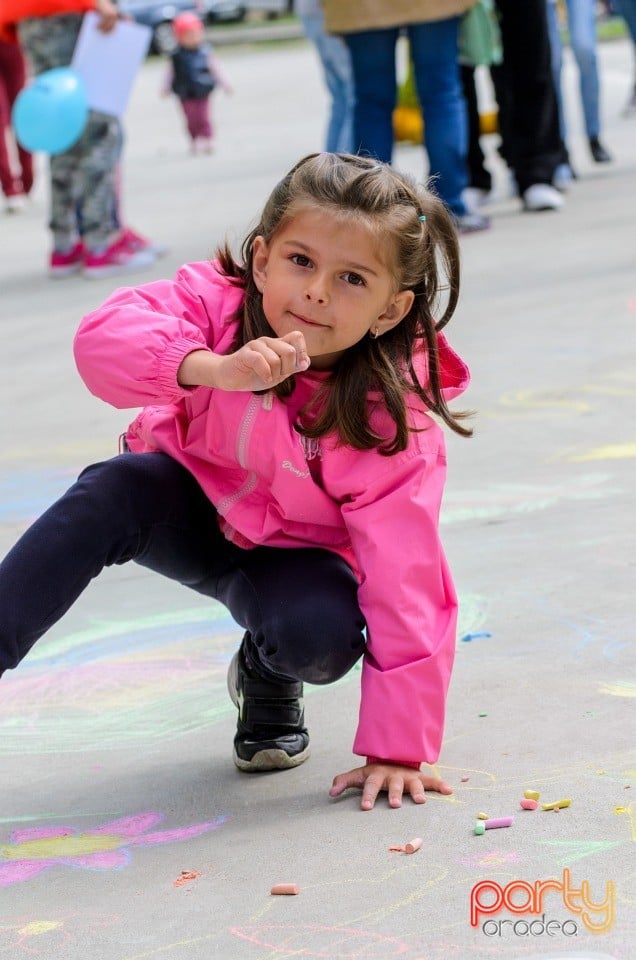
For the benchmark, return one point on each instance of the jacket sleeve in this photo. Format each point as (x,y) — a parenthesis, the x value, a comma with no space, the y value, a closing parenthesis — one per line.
(407,598)
(129,350)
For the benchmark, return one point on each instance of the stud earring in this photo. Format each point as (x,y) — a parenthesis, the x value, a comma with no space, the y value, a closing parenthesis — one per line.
(374,333)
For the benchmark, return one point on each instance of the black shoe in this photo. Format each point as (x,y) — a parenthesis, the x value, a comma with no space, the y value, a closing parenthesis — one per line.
(270,733)
(598,151)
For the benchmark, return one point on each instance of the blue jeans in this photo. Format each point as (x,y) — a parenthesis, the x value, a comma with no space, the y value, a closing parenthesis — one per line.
(433,50)
(627,10)
(336,65)
(299,606)
(582,30)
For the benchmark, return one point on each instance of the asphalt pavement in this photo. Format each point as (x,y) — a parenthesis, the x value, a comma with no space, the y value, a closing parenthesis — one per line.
(125,830)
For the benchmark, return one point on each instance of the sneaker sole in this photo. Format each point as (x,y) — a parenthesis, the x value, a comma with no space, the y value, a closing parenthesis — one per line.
(58,273)
(270,760)
(137,261)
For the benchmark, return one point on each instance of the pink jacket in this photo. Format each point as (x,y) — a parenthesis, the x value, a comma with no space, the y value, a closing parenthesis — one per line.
(270,487)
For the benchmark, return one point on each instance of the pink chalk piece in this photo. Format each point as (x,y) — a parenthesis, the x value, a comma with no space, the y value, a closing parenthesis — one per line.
(285,889)
(397,849)
(529,804)
(497,822)
(464,779)
(413,845)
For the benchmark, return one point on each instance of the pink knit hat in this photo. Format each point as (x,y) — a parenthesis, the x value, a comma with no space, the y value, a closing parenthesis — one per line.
(184,22)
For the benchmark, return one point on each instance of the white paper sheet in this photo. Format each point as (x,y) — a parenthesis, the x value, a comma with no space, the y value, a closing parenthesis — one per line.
(108,62)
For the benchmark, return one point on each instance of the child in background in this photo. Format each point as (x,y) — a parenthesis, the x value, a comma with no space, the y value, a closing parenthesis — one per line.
(288,461)
(193,75)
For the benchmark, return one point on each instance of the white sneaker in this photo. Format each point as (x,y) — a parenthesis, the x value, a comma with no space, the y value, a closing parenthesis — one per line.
(15,204)
(541,196)
(475,197)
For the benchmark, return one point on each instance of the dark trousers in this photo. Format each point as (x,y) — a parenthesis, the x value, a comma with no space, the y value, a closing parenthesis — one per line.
(530,111)
(298,606)
(479,176)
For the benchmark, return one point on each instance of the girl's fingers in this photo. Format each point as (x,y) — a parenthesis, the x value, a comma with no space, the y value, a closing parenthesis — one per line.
(353,778)
(395,790)
(281,358)
(434,783)
(370,791)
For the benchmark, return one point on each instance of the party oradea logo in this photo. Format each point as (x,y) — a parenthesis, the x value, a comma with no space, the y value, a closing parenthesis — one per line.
(529,904)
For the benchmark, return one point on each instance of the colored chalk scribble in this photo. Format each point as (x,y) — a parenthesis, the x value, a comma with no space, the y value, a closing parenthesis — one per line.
(120,683)
(508,499)
(107,847)
(334,942)
(51,933)
(619,688)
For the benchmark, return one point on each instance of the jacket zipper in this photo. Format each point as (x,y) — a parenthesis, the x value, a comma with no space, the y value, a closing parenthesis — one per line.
(242,443)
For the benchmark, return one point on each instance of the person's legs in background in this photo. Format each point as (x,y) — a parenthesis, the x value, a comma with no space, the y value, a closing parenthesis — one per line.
(479,177)
(374,77)
(434,52)
(336,65)
(83,179)
(564,173)
(16,184)
(582,29)
(433,48)
(533,139)
(627,10)
(199,124)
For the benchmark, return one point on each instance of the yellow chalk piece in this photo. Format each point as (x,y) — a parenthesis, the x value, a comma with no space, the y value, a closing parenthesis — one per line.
(531,794)
(621,810)
(558,804)
(483,816)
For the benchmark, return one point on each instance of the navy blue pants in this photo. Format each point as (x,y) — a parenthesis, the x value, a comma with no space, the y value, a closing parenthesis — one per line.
(298,606)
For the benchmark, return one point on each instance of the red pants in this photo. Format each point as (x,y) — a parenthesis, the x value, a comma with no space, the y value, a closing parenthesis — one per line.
(12,79)
(197,113)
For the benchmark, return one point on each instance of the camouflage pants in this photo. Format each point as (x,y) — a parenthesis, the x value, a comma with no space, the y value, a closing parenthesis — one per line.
(83,179)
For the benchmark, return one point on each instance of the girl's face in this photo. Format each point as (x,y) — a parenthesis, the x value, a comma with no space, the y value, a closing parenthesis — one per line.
(192,38)
(322,275)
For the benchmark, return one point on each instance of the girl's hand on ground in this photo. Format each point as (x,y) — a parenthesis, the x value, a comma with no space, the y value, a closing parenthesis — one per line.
(395,780)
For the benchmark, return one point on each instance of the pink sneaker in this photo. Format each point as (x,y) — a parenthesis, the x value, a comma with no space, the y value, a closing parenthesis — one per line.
(136,241)
(116,259)
(65,264)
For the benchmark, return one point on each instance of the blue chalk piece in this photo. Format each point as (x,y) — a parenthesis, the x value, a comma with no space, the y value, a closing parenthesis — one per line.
(474,636)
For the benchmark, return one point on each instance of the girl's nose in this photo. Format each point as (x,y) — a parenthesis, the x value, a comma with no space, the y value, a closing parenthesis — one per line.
(317,293)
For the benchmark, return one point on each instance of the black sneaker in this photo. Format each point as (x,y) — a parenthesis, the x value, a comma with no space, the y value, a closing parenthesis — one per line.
(598,151)
(270,733)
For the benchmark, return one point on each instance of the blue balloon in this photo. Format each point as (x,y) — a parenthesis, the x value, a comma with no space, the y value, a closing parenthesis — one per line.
(50,114)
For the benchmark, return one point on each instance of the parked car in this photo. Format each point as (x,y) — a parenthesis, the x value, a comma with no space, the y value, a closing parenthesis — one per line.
(159,14)
(271,8)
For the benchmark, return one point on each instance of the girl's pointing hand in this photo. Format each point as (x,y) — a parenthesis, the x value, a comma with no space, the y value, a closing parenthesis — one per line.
(258,365)
(392,778)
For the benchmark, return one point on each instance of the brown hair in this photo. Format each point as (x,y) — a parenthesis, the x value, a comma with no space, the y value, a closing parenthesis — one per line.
(414,226)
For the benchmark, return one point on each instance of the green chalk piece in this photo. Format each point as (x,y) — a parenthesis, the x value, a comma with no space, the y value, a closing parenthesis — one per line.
(480,827)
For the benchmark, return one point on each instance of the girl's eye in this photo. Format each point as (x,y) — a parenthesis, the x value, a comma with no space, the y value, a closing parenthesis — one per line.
(300,260)
(354,279)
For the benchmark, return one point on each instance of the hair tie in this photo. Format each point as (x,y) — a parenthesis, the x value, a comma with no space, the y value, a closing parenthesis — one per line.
(422,218)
